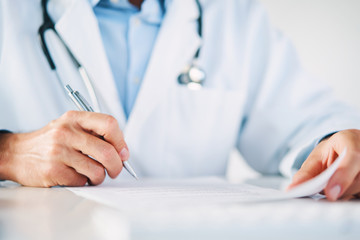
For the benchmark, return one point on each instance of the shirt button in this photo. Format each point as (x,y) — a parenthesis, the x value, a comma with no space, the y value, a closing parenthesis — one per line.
(136,80)
(137,21)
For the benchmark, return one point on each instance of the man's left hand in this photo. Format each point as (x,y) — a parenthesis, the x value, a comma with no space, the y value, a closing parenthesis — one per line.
(345,183)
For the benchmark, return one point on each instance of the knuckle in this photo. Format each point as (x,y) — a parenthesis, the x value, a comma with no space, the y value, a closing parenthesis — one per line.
(50,171)
(75,181)
(71,178)
(340,136)
(111,123)
(53,123)
(98,175)
(69,115)
(82,181)
(78,180)
(55,150)
(85,180)
(60,132)
(349,136)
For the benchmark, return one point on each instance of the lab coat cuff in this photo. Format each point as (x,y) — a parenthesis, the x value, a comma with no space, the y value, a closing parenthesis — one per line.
(4,131)
(325,137)
(293,161)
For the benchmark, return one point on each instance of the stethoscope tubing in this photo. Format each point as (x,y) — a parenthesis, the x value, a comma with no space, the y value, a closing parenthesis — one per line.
(187,77)
(49,25)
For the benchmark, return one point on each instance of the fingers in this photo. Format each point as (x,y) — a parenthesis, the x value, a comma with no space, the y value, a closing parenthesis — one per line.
(57,174)
(61,152)
(109,150)
(353,190)
(93,142)
(345,178)
(345,181)
(102,152)
(86,166)
(69,177)
(103,125)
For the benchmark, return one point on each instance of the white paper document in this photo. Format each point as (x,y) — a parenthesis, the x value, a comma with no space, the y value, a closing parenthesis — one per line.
(317,184)
(132,195)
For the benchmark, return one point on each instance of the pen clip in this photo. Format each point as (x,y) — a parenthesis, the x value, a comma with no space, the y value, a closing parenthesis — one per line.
(73,98)
(78,100)
(86,105)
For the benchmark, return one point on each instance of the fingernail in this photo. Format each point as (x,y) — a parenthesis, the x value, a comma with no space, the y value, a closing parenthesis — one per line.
(124,154)
(334,192)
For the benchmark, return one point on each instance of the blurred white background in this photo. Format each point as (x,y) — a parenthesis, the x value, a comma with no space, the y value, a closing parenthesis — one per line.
(326,34)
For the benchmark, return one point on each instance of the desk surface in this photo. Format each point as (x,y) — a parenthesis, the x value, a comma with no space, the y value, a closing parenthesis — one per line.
(56,213)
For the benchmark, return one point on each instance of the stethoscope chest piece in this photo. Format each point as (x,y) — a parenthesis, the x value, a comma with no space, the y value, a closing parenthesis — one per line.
(192,76)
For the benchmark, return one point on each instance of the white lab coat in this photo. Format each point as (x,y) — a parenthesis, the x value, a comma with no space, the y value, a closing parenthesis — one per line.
(256,96)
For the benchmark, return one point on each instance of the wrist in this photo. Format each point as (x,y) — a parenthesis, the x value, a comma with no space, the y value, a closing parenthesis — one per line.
(5,154)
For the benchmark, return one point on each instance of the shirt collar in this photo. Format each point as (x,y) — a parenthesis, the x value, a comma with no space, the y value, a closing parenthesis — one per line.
(114,3)
(94,2)
(152,11)
(163,3)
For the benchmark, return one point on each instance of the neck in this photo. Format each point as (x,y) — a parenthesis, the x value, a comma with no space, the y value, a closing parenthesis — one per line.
(136,3)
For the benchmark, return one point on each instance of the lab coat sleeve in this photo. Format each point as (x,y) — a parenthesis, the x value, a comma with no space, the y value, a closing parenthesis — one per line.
(1,30)
(288,111)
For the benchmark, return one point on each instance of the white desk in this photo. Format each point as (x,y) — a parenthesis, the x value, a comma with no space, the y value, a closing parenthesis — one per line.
(38,213)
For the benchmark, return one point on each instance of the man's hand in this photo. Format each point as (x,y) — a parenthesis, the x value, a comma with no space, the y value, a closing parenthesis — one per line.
(345,183)
(63,152)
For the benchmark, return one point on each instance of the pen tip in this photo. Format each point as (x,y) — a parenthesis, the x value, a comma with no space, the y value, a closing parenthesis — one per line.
(130,170)
(134,175)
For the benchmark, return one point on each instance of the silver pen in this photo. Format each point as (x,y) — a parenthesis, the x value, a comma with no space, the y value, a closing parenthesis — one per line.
(83,105)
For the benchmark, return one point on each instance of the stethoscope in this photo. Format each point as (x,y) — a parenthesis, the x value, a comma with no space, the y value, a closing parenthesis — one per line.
(192,76)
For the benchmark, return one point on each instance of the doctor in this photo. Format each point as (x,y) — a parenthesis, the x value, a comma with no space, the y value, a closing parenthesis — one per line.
(255,95)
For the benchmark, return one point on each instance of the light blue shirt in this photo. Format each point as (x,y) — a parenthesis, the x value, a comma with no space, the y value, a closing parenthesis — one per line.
(129,35)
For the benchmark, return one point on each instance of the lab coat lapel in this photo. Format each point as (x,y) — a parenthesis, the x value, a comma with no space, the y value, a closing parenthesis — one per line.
(176,44)
(79,29)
